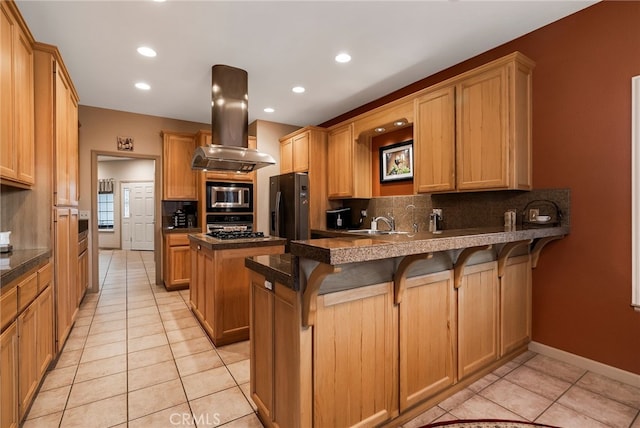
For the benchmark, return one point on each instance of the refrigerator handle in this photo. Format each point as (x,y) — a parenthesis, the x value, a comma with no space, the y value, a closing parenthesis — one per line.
(277,219)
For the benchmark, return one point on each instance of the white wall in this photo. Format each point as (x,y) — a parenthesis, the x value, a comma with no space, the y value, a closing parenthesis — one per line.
(268,136)
(121,171)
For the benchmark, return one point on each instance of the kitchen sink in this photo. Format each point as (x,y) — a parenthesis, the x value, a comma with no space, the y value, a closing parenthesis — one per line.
(376,232)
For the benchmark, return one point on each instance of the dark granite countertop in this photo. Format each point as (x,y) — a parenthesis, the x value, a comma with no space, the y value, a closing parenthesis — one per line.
(19,262)
(166,230)
(275,267)
(347,247)
(221,244)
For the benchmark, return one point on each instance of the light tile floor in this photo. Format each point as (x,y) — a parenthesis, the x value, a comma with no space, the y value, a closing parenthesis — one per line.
(137,357)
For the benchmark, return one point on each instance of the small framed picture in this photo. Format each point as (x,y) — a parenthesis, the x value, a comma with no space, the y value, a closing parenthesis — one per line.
(396,162)
(125,144)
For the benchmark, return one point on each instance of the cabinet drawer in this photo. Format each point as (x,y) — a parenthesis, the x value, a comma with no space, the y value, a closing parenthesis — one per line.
(27,291)
(177,239)
(82,246)
(45,274)
(8,306)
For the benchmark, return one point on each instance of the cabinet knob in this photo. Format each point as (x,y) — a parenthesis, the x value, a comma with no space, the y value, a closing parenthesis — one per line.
(198,247)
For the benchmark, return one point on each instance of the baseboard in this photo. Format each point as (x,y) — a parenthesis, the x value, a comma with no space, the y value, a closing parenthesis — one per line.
(587,364)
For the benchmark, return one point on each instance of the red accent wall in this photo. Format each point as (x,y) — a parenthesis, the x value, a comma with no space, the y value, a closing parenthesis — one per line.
(581,140)
(389,188)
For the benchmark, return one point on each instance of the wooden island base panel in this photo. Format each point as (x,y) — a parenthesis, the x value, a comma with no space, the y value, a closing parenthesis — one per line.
(373,331)
(219,290)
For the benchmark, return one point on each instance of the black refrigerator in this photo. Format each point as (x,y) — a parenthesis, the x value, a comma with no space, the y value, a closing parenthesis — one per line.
(289,206)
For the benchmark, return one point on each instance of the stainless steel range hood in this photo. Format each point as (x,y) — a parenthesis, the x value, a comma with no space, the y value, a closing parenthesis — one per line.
(229,150)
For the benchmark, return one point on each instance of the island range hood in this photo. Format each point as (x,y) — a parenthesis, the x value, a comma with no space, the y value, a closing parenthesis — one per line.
(229,150)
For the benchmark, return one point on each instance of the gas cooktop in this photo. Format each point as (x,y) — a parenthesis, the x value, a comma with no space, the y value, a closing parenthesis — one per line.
(235,234)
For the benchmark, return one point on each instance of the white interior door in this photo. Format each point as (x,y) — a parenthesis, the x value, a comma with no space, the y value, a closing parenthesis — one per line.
(138,216)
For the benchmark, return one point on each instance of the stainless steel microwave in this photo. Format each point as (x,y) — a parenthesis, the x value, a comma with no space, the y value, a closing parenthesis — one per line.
(229,197)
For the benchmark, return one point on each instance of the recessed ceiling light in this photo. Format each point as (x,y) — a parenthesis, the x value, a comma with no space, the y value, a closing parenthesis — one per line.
(159,1)
(143,86)
(269,110)
(399,123)
(343,57)
(146,51)
(379,129)
(298,89)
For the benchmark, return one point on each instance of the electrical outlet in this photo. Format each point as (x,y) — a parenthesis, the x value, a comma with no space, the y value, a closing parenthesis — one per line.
(533,214)
(83,214)
(363,213)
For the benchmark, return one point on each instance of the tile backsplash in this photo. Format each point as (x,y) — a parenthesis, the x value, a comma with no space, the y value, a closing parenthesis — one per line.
(460,210)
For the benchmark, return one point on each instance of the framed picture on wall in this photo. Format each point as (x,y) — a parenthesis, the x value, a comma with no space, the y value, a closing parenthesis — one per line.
(396,162)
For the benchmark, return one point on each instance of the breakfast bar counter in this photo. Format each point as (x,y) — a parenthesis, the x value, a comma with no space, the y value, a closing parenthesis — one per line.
(364,329)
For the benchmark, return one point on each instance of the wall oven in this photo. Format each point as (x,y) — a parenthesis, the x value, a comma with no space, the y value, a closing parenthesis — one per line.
(223,197)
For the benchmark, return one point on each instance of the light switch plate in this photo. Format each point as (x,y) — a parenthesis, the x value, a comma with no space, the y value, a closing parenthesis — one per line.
(84,214)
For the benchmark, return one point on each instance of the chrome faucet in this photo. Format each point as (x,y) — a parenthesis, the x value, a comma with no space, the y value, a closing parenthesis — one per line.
(391,222)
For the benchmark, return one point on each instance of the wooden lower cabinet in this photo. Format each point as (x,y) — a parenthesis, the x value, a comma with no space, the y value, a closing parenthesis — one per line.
(27,363)
(477,318)
(355,357)
(280,355)
(515,304)
(9,376)
(220,299)
(366,361)
(427,337)
(177,261)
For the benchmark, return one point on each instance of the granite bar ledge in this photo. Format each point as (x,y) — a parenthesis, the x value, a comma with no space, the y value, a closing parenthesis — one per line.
(353,248)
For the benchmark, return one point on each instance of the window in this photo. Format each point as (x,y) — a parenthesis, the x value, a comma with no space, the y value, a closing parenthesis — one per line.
(105,204)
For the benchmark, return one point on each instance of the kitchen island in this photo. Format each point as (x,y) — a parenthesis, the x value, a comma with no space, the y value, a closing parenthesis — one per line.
(373,330)
(218,290)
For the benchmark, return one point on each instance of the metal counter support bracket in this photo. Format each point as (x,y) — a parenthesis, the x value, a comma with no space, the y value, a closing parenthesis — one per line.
(310,295)
(400,277)
(538,246)
(458,268)
(506,250)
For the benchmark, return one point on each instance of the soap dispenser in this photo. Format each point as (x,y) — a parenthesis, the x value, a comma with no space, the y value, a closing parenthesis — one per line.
(339,222)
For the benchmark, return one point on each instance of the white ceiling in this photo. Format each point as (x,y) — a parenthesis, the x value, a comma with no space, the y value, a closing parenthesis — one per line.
(280,43)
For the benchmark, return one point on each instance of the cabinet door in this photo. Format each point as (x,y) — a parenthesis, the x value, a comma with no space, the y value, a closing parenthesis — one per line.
(8,155)
(62,163)
(24,107)
(477,318)
(286,156)
(9,377)
(28,369)
(434,141)
(44,345)
(62,273)
(193,289)
(83,275)
(515,304)
(262,332)
(427,337)
(179,180)
(72,149)
(301,152)
(355,355)
(483,131)
(340,162)
(179,268)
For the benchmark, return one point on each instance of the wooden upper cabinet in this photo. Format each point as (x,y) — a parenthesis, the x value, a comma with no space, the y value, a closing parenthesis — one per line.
(493,130)
(294,153)
(434,145)
(483,131)
(340,162)
(286,156)
(179,180)
(203,138)
(348,164)
(16,100)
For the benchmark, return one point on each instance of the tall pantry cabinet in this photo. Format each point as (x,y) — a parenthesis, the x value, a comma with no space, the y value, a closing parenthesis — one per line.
(57,137)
